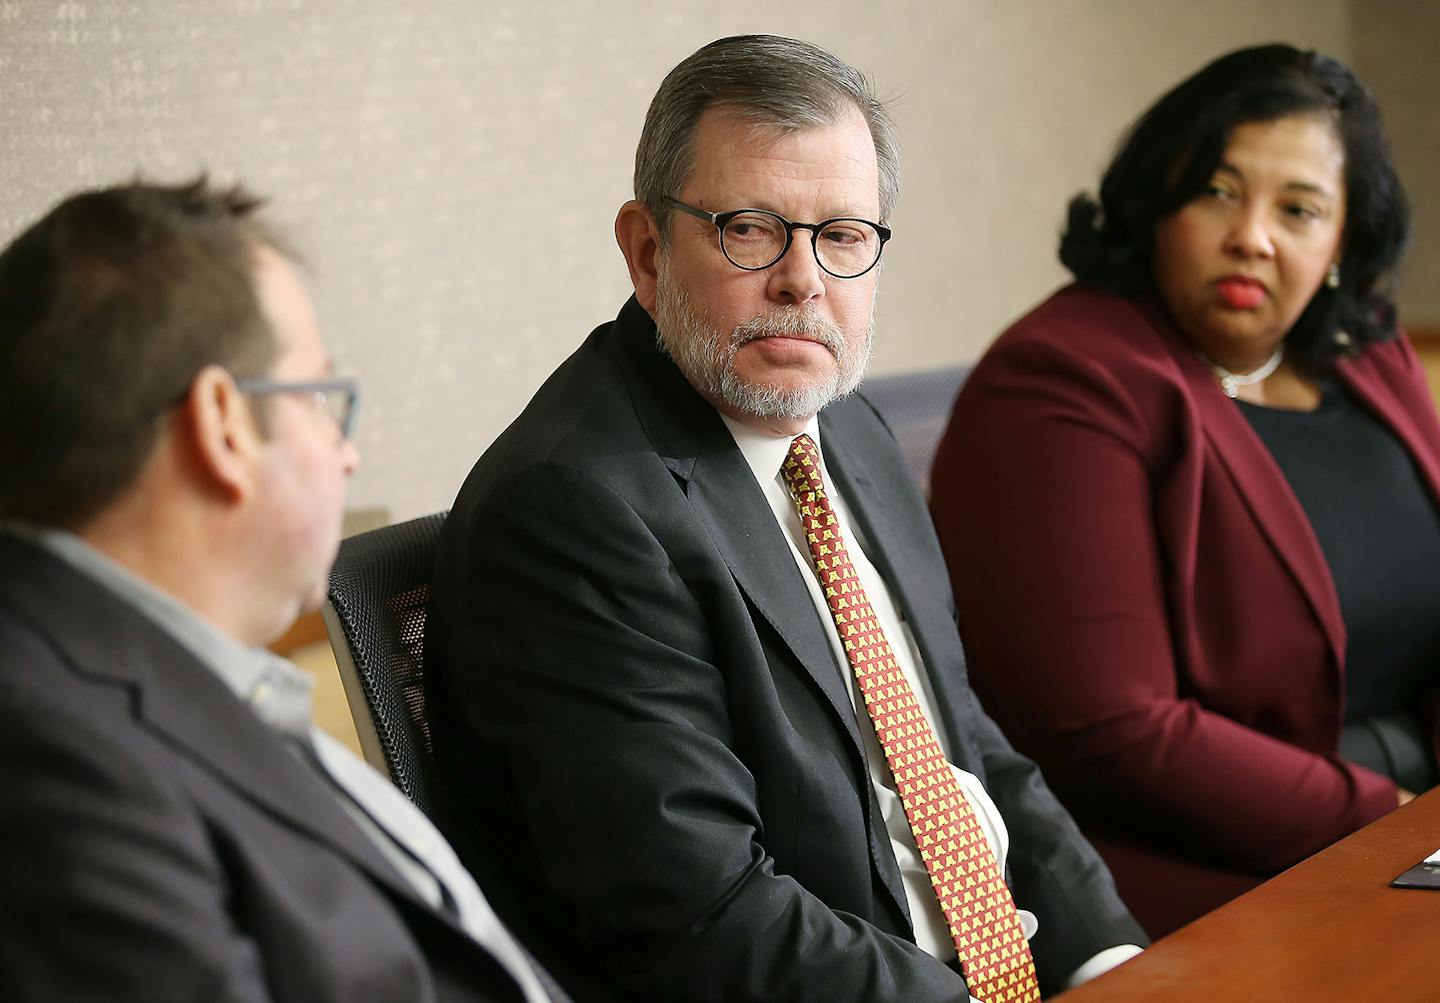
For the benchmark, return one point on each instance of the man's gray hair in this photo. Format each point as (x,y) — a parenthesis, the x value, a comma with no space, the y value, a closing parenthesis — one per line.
(766,79)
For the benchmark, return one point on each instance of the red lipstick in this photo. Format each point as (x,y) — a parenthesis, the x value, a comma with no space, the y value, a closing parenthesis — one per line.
(1240,292)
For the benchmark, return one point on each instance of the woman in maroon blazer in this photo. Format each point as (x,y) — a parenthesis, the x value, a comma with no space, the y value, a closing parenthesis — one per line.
(1190,503)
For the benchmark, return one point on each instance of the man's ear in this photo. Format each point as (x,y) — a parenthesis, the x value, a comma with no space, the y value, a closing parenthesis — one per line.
(225,441)
(639,240)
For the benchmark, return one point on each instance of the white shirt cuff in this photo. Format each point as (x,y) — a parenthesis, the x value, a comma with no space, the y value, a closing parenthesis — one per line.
(1102,963)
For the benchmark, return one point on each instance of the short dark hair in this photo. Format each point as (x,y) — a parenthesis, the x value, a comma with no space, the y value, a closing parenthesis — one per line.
(767,79)
(109,306)
(1170,153)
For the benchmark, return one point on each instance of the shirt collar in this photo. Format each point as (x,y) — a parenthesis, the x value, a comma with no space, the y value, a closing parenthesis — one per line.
(765,452)
(277,691)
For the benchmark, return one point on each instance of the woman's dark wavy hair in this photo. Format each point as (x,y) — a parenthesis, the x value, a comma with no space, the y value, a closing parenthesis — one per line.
(1171,153)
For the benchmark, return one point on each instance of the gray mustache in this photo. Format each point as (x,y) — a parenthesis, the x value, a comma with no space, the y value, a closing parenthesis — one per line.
(791,323)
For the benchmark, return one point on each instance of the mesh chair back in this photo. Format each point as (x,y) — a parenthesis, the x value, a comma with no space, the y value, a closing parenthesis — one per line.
(916,406)
(379,590)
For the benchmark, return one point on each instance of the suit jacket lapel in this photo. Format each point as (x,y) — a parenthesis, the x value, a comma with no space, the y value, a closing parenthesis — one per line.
(184,702)
(1419,435)
(1268,494)
(898,550)
(730,508)
(734,513)
(694,444)
(1261,485)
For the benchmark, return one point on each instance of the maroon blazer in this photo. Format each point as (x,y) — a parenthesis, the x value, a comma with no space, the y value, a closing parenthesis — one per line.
(1146,609)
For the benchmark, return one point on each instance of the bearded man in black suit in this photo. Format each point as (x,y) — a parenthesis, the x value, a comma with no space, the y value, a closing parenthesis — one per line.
(641,658)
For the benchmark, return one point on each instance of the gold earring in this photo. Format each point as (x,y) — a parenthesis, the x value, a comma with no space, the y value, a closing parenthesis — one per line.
(1332,277)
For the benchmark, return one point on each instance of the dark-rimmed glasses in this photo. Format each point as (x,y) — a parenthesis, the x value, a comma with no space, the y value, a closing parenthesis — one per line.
(846,247)
(339,398)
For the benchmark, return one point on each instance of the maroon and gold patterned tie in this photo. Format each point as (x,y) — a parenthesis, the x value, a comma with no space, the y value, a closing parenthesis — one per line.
(963,871)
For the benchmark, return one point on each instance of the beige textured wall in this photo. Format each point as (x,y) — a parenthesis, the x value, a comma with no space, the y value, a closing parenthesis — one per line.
(1396,44)
(453,168)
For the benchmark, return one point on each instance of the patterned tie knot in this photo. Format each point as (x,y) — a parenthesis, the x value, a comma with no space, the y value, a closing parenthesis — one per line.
(801,471)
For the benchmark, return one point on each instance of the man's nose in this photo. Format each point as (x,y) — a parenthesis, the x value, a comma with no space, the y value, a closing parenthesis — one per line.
(797,277)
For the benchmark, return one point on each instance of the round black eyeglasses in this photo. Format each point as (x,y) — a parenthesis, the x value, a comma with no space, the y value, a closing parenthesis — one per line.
(846,247)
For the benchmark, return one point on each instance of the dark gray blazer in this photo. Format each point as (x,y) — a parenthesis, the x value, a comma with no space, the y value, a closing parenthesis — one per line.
(158,842)
(624,657)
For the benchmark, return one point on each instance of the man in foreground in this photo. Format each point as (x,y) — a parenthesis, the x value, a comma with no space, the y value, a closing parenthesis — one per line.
(175,451)
(679,599)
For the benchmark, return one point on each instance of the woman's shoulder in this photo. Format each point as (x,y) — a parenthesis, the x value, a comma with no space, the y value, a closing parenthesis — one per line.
(1395,353)
(1089,321)
(1083,330)
(1087,358)
(1392,365)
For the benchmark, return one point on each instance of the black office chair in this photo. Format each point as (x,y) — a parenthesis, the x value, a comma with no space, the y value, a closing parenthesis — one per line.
(916,406)
(375,617)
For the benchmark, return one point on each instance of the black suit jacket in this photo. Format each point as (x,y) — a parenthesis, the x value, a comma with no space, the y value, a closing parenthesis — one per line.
(159,842)
(623,652)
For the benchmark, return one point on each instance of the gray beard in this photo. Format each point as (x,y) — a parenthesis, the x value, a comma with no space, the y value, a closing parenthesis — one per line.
(706,355)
